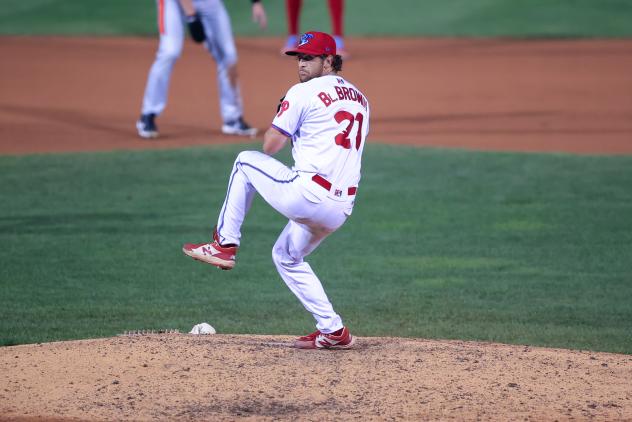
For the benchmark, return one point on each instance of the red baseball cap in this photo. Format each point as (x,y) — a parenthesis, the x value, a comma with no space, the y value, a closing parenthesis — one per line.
(315,44)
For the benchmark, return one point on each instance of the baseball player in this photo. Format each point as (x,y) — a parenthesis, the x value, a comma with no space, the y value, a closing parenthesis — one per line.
(327,120)
(208,22)
(336,13)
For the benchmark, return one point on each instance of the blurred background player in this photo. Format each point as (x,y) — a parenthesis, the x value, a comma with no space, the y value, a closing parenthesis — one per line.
(208,22)
(336,12)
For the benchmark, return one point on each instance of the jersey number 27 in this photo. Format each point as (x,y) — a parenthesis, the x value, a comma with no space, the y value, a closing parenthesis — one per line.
(342,138)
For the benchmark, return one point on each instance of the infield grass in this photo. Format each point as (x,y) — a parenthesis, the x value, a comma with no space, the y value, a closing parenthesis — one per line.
(515,248)
(486,18)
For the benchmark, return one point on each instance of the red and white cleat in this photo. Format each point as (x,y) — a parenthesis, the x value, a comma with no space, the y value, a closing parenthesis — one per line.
(212,253)
(341,339)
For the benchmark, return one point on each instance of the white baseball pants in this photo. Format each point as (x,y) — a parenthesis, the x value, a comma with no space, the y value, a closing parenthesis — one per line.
(219,42)
(313,214)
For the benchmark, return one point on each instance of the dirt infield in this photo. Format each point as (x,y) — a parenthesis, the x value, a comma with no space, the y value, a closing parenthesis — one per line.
(75,94)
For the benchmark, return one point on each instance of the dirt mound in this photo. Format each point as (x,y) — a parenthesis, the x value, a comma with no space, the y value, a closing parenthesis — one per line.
(224,377)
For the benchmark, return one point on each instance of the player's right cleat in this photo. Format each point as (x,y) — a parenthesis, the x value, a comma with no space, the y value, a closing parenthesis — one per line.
(341,339)
(238,127)
(212,253)
(146,126)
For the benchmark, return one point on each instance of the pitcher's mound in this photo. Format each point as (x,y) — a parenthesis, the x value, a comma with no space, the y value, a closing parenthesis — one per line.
(225,377)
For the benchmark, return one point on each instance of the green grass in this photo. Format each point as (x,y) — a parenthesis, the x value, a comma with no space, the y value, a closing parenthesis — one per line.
(518,18)
(515,248)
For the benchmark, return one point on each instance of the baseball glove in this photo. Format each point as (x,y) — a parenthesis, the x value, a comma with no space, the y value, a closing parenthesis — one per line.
(196,29)
(280,103)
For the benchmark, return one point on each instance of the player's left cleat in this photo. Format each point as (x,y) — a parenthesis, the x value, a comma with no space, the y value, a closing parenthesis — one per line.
(341,339)
(212,253)
(238,127)
(146,126)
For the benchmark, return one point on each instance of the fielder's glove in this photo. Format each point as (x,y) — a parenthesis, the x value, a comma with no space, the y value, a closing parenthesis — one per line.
(196,29)
(280,102)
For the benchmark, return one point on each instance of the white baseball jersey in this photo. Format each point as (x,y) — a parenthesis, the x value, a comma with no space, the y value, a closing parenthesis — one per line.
(327,119)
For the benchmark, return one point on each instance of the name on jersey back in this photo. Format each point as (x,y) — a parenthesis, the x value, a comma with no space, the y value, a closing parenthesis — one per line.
(342,93)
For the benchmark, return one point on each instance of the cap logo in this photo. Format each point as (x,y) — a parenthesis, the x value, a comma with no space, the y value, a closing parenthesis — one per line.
(305,38)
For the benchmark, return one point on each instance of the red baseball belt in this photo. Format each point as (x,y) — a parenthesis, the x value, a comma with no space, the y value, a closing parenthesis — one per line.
(320,180)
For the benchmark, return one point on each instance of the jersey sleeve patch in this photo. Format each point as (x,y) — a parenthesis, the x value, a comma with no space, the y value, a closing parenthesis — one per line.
(290,110)
(283,107)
